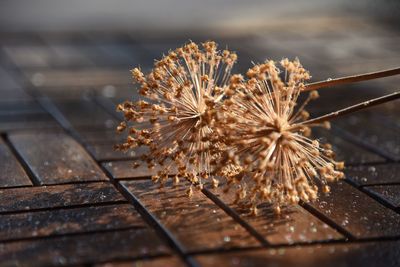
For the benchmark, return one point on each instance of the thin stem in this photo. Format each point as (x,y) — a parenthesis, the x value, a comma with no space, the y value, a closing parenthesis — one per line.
(353,79)
(355,108)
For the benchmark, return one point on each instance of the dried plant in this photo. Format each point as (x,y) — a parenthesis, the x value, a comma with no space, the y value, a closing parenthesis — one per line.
(269,138)
(270,141)
(198,122)
(175,118)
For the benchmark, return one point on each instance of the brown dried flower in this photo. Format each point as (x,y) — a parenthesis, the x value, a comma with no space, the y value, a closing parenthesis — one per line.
(199,121)
(269,140)
(175,119)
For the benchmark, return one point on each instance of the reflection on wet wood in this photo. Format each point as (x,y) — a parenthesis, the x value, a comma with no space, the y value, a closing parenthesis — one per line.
(196,222)
(66,221)
(69,250)
(31,198)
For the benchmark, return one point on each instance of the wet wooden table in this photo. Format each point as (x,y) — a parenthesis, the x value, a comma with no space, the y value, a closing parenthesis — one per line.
(66,198)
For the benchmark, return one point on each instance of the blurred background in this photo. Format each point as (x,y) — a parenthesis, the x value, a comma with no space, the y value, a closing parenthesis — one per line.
(67,49)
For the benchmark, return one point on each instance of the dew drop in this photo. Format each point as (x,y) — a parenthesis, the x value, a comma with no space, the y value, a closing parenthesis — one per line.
(371,169)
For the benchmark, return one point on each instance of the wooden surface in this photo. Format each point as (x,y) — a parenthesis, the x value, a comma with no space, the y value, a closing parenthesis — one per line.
(67,198)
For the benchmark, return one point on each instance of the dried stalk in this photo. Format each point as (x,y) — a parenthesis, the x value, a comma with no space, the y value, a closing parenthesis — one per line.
(354,108)
(352,79)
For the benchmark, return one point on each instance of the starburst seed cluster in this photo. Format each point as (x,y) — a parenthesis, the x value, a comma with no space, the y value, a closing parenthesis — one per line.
(175,118)
(201,123)
(269,138)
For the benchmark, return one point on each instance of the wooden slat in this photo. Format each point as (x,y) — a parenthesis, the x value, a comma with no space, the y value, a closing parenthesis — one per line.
(365,254)
(82,78)
(345,150)
(107,152)
(357,213)
(293,225)
(387,193)
(27,121)
(88,248)
(91,137)
(197,223)
(67,221)
(124,169)
(56,158)
(372,132)
(86,113)
(45,197)
(157,262)
(11,172)
(374,174)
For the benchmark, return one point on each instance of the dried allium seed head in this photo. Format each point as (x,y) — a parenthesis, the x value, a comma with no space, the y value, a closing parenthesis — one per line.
(176,118)
(269,139)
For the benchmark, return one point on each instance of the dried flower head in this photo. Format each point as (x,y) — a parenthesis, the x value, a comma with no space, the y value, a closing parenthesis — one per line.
(175,118)
(269,139)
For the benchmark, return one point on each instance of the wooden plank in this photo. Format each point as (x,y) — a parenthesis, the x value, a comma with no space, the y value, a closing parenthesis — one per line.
(80,77)
(27,121)
(330,255)
(67,221)
(13,107)
(56,158)
(107,152)
(156,262)
(196,222)
(368,130)
(374,174)
(357,213)
(124,169)
(293,225)
(44,197)
(387,193)
(86,113)
(83,249)
(345,150)
(92,137)
(11,172)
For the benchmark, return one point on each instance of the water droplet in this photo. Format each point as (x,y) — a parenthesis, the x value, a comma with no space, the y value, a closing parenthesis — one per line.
(227,239)
(329,79)
(281,251)
(214,211)
(371,169)
(291,229)
(364,179)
